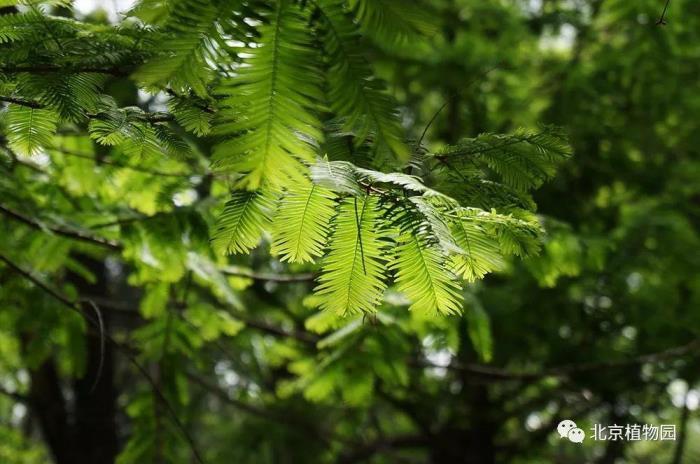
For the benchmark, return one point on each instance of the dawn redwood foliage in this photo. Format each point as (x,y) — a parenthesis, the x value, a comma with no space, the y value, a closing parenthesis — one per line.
(264,231)
(285,94)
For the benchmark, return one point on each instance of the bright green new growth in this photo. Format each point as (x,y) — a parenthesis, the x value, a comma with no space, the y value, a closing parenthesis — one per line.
(273,95)
(422,276)
(242,222)
(301,224)
(304,134)
(391,227)
(353,278)
(30,129)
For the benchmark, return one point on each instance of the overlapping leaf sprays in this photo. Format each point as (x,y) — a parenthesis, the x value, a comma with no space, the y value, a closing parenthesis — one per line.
(305,132)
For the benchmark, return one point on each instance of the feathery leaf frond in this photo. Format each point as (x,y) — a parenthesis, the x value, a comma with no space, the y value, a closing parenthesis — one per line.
(241,224)
(422,275)
(302,223)
(30,129)
(354,94)
(273,127)
(392,22)
(523,160)
(482,253)
(17,26)
(353,272)
(188,44)
(73,96)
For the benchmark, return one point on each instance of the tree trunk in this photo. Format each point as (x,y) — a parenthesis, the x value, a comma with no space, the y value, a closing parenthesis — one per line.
(80,428)
(95,433)
(48,406)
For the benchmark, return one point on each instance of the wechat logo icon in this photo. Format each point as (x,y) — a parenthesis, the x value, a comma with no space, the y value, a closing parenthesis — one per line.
(567,429)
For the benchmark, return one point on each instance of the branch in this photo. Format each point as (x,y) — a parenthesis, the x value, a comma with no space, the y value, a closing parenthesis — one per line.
(567,370)
(662,19)
(118,164)
(242,405)
(20,398)
(50,69)
(152,118)
(300,335)
(457,94)
(682,432)
(72,234)
(288,420)
(202,107)
(279,278)
(21,101)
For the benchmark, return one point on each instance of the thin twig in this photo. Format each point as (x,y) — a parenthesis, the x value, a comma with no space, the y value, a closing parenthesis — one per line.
(100,365)
(21,102)
(281,419)
(662,18)
(152,118)
(20,398)
(571,369)
(72,234)
(456,94)
(268,277)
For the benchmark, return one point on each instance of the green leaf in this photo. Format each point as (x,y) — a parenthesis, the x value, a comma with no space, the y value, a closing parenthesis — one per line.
(302,223)
(30,129)
(212,323)
(338,176)
(15,27)
(422,275)
(353,278)
(393,22)
(191,117)
(189,43)
(354,93)
(268,109)
(241,224)
(72,95)
(523,160)
(481,250)
(155,301)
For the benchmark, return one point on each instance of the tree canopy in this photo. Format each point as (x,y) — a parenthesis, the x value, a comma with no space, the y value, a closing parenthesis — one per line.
(347,230)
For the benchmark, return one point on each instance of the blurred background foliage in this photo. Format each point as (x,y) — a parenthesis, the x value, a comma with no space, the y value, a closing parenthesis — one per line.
(601,327)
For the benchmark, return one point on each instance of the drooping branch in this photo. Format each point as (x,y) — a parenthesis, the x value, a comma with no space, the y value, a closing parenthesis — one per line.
(500,374)
(152,118)
(72,234)
(118,164)
(268,277)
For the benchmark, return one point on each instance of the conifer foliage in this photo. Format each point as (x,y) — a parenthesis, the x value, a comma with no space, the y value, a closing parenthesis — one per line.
(273,81)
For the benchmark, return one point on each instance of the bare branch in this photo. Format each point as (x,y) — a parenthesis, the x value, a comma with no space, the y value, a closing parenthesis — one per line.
(21,102)
(496,373)
(268,277)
